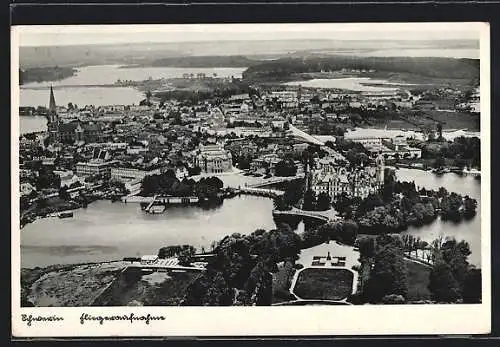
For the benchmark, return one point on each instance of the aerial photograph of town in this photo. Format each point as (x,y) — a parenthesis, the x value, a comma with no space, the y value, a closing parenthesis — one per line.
(217,165)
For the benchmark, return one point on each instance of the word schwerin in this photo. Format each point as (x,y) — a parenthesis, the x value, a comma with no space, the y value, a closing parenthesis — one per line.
(29,319)
(130,318)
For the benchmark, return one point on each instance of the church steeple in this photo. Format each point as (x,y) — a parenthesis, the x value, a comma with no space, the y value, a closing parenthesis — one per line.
(52,101)
(53,118)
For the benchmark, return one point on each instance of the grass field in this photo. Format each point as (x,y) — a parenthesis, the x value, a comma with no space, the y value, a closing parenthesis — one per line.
(455,120)
(449,120)
(167,292)
(424,81)
(418,280)
(326,284)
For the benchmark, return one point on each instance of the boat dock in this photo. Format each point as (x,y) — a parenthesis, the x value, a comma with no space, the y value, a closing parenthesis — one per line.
(167,200)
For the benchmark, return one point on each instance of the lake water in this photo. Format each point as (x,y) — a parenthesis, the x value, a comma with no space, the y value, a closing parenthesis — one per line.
(109,74)
(82,96)
(350,83)
(108,230)
(469,231)
(28,124)
(470,53)
(67,90)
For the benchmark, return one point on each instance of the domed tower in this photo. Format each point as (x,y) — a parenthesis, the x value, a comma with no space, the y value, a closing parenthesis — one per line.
(380,163)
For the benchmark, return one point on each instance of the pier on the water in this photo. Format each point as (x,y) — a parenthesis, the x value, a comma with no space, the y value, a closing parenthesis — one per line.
(167,200)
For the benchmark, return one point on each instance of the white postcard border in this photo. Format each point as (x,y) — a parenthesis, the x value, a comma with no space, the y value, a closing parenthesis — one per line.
(265,321)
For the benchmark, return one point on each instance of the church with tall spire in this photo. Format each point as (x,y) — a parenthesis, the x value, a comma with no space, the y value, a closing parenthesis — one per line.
(70,132)
(53,118)
(52,101)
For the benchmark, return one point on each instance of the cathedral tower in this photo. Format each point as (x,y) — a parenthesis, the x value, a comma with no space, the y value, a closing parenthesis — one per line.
(52,101)
(53,118)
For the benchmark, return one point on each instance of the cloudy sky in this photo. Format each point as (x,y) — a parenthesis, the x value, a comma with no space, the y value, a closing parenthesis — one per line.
(108,34)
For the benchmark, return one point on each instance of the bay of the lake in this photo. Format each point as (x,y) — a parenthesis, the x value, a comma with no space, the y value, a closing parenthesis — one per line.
(84,88)
(31,124)
(358,84)
(458,53)
(109,231)
(469,231)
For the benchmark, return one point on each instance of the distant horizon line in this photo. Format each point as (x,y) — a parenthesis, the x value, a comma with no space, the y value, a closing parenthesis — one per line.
(251,40)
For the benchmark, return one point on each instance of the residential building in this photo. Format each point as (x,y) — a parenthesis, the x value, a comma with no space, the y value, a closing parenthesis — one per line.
(371,141)
(93,167)
(149,259)
(68,178)
(392,148)
(264,163)
(125,174)
(285,95)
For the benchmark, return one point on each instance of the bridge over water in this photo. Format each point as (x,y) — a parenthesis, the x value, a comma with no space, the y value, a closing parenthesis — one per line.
(270,193)
(274,181)
(327,216)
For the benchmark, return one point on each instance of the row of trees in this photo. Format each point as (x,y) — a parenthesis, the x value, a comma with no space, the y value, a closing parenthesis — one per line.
(322,202)
(385,277)
(42,74)
(285,168)
(168,184)
(240,273)
(345,231)
(452,278)
(355,153)
(47,179)
(294,192)
(388,276)
(184,253)
(432,67)
(464,151)
(399,204)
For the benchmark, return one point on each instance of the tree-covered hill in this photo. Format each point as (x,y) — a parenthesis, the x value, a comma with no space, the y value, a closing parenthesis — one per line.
(429,67)
(206,61)
(45,74)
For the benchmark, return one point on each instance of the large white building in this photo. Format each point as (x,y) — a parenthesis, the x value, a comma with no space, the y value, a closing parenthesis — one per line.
(388,147)
(125,174)
(93,167)
(213,159)
(333,179)
(285,95)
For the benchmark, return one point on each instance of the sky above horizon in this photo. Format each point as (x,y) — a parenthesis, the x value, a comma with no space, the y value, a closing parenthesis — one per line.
(121,34)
